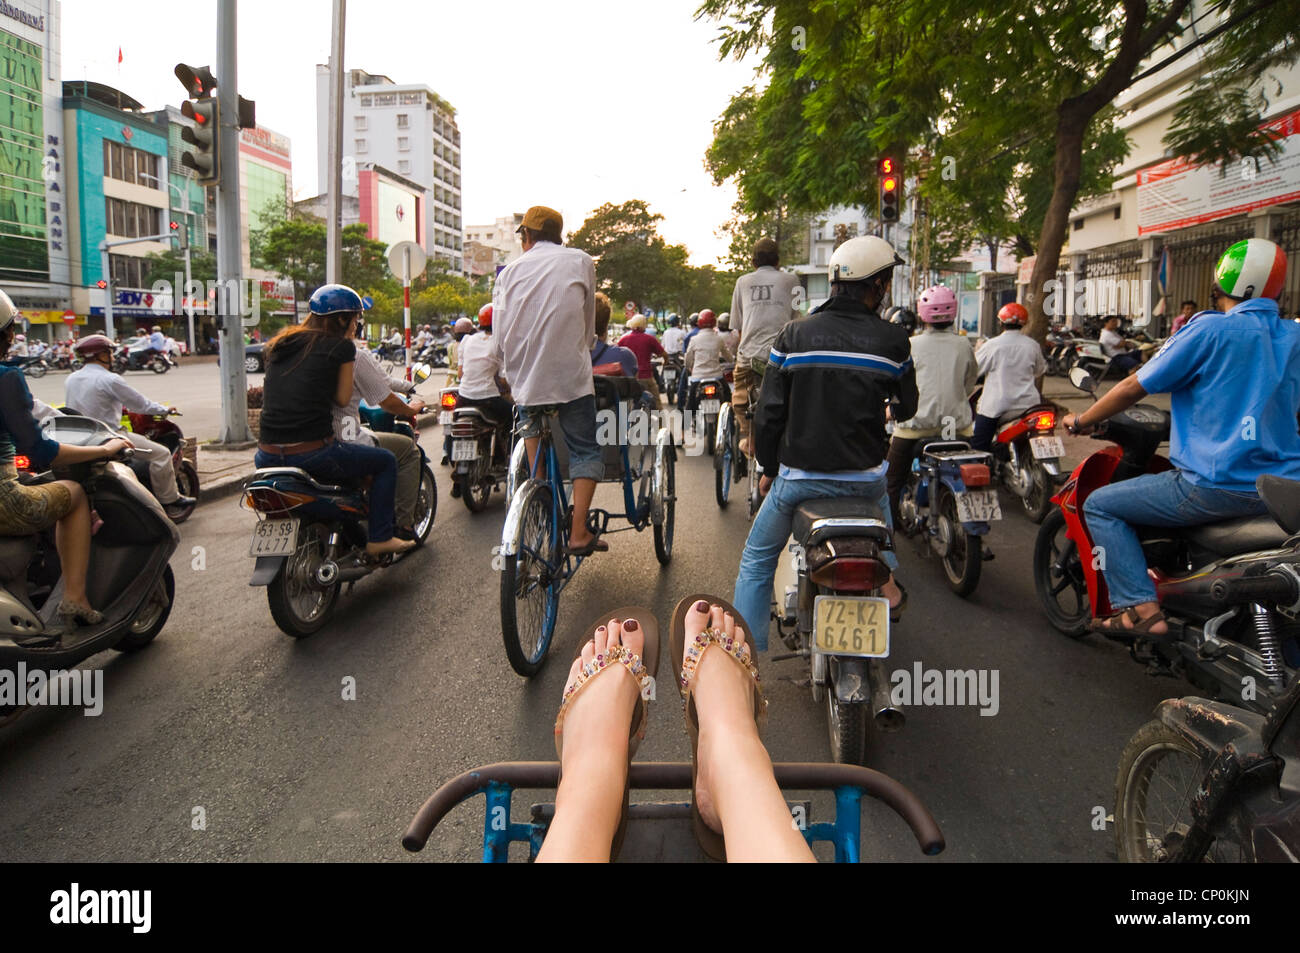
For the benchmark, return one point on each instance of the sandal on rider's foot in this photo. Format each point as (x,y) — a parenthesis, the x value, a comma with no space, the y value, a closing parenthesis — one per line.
(595,545)
(79,615)
(687,658)
(391,547)
(1114,624)
(642,668)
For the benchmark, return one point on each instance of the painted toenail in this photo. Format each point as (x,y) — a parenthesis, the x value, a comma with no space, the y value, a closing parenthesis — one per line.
(701,606)
(630,625)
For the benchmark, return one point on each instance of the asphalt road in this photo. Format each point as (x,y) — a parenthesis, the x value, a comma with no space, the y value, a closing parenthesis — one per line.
(224,713)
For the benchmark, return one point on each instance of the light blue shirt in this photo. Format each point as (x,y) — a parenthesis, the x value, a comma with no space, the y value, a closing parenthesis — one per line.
(843,476)
(1234,386)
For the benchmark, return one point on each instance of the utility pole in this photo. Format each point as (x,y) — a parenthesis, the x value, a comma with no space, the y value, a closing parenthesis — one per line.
(334,154)
(230,298)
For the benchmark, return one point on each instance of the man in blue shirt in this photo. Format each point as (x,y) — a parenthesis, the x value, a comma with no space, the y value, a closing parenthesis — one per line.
(1234,386)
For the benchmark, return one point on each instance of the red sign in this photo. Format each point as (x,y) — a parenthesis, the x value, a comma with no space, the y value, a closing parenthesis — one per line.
(69,318)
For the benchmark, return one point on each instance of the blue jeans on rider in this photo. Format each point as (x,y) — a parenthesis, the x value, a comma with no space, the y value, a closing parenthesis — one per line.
(986,428)
(1153,499)
(578,427)
(338,463)
(768,537)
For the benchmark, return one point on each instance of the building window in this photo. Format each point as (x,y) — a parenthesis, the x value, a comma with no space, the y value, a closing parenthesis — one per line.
(403,144)
(403,165)
(131,219)
(403,120)
(366,101)
(385,99)
(128,272)
(1117,208)
(1078,224)
(361,123)
(412,99)
(361,146)
(126,164)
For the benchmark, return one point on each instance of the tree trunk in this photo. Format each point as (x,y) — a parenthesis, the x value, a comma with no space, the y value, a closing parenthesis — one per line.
(993,254)
(1072,123)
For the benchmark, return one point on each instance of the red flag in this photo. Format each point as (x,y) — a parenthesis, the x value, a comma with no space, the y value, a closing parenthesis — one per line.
(119,54)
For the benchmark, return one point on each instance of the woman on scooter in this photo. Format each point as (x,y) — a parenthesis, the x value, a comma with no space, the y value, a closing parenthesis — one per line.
(309,372)
(1234,386)
(29,509)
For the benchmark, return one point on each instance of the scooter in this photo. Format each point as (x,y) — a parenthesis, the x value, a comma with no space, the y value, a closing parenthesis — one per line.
(310,538)
(1229,590)
(672,368)
(479,451)
(948,501)
(139,358)
(831,612)
(129,580)
(1028,458)
(161,430)
(706,397)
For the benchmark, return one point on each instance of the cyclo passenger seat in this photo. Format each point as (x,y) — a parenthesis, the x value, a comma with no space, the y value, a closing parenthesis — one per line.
(818,520)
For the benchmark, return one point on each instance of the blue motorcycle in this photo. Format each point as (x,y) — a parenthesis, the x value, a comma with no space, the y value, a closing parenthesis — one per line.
(949,500)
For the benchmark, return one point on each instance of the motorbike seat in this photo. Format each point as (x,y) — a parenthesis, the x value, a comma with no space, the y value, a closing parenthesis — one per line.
(1233,537)
(1282,497)
(15,554)
(845,516)
(270,474)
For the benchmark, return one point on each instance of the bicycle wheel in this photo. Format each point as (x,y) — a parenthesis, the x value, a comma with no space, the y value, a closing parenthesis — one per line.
(722,467)
(529,597)
(665,502)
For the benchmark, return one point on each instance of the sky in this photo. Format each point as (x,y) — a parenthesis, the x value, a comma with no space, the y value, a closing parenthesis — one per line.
(571,103)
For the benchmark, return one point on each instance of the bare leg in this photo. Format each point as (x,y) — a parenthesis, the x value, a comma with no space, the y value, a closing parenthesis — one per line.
(72,537)
(735,788)
(583,491)
(593,757)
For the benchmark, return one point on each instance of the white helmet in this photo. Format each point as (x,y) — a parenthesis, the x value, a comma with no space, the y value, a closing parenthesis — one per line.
(861,258)
(724,321)
(8,311)
(637,322)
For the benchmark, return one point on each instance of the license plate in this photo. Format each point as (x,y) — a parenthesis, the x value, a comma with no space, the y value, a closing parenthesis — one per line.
(444,417)
(978,506)
(710,406)
(464,450)
(274,538)
(1047,448)
(851,625)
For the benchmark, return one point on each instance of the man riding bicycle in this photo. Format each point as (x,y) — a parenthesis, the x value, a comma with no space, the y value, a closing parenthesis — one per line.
(820,420)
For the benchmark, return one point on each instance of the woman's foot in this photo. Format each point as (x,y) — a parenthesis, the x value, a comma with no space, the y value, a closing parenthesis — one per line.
(80,614)
(893,592)
(593,743)
(390,547)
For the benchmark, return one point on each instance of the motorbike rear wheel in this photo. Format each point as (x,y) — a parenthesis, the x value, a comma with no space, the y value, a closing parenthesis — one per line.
(1159,774)
(187,481)
(298,608)
(152,616)
(159,366)
(1039,499)
(426,503)
(1058,578)
(35,369)
(847,729)
(964,560)
(529,600)
(475,488)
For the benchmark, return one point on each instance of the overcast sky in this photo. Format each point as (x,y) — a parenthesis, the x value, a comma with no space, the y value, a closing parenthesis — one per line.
(616,99)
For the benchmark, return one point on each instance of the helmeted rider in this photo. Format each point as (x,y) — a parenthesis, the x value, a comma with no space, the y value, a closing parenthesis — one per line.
(946,372)
(706,353)
(309,372)
(95,391)
(1234,386)
(820,421)
(462,329)
(1013,367)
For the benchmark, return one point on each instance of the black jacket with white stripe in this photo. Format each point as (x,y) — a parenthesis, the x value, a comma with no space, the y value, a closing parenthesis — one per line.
(828,379)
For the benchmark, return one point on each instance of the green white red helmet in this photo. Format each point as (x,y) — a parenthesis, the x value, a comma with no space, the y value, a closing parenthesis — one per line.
(1253,268)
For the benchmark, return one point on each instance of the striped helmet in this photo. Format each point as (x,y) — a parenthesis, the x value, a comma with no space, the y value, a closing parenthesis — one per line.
(1253,268)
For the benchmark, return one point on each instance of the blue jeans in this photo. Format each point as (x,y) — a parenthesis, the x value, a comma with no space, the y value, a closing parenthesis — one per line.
(768,536)
(1153,499)
(986,428)
(340,462)
(578,428)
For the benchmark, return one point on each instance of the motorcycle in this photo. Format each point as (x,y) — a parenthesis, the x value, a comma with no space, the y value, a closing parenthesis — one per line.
(310,537)
(1027,456)
(830,611)
(160,429)
(705,397)
(130,580)
(479,451)
(1205,781)
(1229,590)
(428,360)
(944,502)
(139,358)
(672,368)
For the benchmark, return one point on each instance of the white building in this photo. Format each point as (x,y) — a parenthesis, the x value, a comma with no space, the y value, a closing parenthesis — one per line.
(408,129)
(500,236)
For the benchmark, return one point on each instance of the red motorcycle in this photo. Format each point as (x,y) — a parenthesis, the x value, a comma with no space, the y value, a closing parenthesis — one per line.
(1229,590)
(162,430)
(1028,457)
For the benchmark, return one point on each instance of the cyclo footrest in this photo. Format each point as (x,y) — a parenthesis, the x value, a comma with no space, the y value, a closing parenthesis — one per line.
(597,521)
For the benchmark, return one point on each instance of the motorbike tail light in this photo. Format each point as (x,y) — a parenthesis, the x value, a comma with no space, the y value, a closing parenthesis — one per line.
(22,463)
(975,474)
(464,428)
(449,399)
(851,574)
(1046,420)
(709,390)
(268,499)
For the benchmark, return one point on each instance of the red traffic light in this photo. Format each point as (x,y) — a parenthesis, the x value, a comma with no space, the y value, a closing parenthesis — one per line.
(101,284)
(886,166)
(173,226)
(890,184)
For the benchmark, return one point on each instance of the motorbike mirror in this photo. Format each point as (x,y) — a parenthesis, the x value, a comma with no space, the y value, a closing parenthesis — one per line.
(1081,379)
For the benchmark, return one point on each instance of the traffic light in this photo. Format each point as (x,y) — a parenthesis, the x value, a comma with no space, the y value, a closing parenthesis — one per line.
(891,189)
(101,284)
(201,108)
(182,235)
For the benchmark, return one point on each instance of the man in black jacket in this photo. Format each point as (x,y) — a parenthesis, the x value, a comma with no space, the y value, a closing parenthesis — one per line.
(820,421)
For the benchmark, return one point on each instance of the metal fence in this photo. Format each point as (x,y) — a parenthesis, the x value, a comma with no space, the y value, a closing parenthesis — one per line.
(1193,254)
(1112,282)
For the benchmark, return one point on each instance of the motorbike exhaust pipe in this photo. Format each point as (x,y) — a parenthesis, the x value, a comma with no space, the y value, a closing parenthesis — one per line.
(887,715)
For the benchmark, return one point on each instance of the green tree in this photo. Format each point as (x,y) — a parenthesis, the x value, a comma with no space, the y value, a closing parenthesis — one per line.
(632,261)
(165,266)
(850,82)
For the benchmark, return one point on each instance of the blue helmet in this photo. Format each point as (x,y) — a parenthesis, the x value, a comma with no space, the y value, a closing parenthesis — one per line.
(674,320)
(332,299)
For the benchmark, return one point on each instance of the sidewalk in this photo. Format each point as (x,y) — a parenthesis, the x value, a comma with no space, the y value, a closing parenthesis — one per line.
(1060,391)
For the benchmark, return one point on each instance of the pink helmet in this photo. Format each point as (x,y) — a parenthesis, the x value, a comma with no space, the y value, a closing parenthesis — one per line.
(937,305)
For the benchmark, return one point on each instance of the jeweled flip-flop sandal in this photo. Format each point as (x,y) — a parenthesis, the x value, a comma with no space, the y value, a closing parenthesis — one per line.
(687,659)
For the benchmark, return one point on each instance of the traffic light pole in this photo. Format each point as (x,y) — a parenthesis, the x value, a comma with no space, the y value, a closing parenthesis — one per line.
(334,152)
(234,394)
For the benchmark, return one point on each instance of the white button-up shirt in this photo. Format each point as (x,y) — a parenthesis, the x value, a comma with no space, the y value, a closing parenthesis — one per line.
(99,393)
(674,338)
(544,320)
(1010,362)
(369,383)
(480,365)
